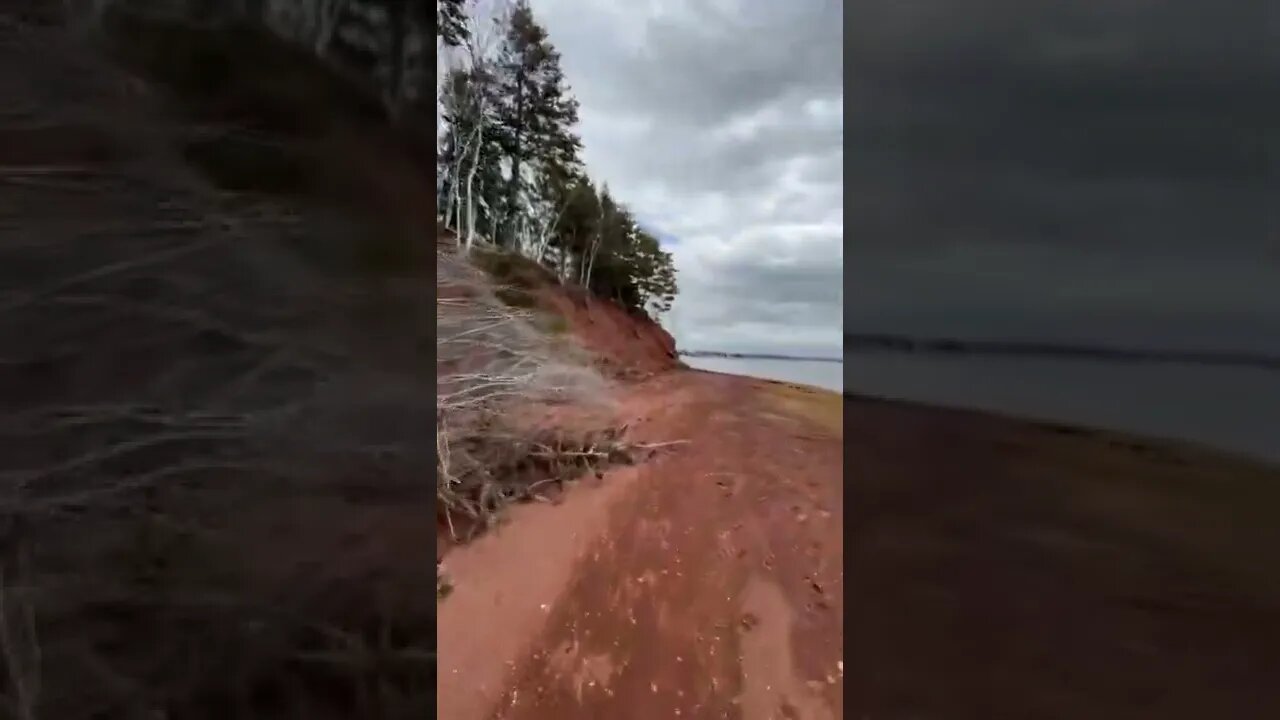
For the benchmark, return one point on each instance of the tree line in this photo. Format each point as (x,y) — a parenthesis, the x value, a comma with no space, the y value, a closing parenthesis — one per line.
(510,168)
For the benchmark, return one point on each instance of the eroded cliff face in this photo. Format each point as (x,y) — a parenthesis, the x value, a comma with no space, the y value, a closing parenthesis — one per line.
(625,343)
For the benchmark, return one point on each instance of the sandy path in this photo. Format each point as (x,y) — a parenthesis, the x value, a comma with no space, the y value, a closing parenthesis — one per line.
(706,583)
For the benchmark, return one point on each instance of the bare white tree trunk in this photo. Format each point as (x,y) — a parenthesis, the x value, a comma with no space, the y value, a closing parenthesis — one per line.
(452,212)
(591,263)
(471,204)
(595,249)
(453,202)
(545,236)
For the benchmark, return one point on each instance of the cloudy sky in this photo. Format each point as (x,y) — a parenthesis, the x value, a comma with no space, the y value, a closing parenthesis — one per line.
(720,124)
(1101,171)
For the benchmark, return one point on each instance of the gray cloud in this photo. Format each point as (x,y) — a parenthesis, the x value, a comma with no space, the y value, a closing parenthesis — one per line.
(721,123)
(700,62)
(1038,165)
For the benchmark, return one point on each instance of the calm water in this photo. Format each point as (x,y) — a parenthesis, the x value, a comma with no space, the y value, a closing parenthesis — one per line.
(827,375)
(1234,409)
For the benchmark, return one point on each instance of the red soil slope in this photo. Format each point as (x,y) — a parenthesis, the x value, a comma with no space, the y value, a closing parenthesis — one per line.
(627,343)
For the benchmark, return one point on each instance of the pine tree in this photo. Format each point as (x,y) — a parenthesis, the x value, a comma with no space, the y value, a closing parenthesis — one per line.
(451,22)
(536,113)
(578,224)
(654,275)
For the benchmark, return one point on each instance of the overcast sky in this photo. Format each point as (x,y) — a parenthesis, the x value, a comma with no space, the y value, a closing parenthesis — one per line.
(1101,171)
(720,124)
(1056,168)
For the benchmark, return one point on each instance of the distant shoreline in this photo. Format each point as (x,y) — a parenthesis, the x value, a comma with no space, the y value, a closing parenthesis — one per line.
(890,343)
(755,356)
(906,344)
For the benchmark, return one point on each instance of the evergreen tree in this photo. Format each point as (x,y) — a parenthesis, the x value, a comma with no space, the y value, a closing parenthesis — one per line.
(577,224)
(536,113)
(654,275)
(451,22)
(554,193)
(632,268)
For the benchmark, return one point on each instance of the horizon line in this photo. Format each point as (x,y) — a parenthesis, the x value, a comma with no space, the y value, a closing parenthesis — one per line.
(937,345)
(757,355)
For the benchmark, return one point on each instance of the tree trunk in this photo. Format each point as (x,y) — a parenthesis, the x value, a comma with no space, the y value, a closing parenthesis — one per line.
(517,151)
(471,199)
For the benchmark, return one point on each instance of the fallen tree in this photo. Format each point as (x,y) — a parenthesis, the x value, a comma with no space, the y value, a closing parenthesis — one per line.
(493,367)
